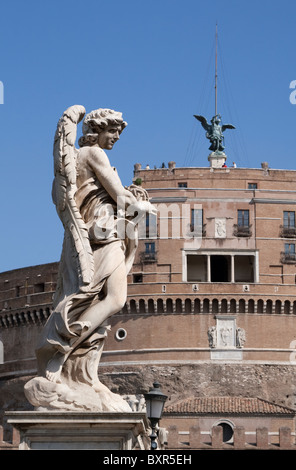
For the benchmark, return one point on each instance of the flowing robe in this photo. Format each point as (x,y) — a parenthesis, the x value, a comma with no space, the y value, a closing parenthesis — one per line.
(100,216)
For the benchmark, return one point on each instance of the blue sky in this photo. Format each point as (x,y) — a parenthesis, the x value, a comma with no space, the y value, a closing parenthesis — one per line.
(154,61)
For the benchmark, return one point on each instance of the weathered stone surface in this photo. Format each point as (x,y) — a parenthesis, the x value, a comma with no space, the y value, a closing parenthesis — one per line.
(80,431)
(270,382)
(100,218)
(207,379)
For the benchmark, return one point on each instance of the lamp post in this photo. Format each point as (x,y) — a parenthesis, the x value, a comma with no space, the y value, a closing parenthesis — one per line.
(155,401)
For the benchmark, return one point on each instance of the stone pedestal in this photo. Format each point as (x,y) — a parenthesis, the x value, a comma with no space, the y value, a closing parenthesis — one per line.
(217,160)
(58,430)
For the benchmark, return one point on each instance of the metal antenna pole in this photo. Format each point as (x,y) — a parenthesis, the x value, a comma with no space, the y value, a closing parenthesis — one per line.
(216,74)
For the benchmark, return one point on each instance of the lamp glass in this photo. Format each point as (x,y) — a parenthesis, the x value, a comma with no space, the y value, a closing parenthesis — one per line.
(155,401)
(154,407)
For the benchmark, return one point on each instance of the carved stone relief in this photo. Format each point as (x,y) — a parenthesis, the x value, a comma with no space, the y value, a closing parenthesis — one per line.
(220,227)
(225,335)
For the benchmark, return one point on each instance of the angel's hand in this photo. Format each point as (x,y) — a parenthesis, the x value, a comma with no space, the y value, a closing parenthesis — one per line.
(141,208)
(129,198)
(152,209)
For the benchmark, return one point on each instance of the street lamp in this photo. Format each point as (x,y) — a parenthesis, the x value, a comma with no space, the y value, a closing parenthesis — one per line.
(155,401)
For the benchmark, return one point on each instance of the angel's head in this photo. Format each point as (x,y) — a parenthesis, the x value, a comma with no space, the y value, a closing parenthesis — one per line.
(102,127)
(216,119)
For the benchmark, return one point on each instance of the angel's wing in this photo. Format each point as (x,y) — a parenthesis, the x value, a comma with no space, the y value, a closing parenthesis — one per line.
(64,188)
(64,154)
(227,126)
(203,122)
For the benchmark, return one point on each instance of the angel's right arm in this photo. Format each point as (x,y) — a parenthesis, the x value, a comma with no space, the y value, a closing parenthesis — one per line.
(108,177)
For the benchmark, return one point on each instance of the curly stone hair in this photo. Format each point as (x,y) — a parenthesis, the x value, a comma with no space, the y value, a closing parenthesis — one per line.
(96,121)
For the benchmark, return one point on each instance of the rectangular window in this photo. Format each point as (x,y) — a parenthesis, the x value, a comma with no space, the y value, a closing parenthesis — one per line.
(182,185)
(196,268)
(243,218)
(290,248)
(147,227)
(150,247)
(252,185)
(137,278)
(151,225)
(149,255)
(289,219)
(39,288)
(196,222)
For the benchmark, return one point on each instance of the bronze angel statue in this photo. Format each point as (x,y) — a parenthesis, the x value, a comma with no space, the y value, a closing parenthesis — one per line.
(214,131)
(100,240)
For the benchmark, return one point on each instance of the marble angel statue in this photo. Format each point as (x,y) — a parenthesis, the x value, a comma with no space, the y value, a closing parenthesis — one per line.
(100,240)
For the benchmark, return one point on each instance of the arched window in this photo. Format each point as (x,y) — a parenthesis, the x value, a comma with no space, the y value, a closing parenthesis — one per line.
(196,306)
(187,306)
(215,306)
(269,306)
(224,306)
(150,306)
(278,306)
(133,306)
(251,306)
(206,306)
(233,306)
(160,308)
(142,308)
(241,306)
(178,306)
(260,306)
(169,306)
(287,306)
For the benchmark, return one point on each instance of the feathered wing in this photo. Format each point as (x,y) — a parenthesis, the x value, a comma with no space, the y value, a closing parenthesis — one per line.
(203,122)
(227,126)
(64,188)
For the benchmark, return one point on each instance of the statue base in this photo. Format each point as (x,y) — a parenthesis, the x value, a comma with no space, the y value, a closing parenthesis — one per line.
(49,396)
(56,430)
(217,160)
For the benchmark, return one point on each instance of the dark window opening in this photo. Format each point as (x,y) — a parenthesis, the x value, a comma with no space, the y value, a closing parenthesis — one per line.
(137,278)
(196,268)
(182,185)
(39,288)
(220,268)
(244,268)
